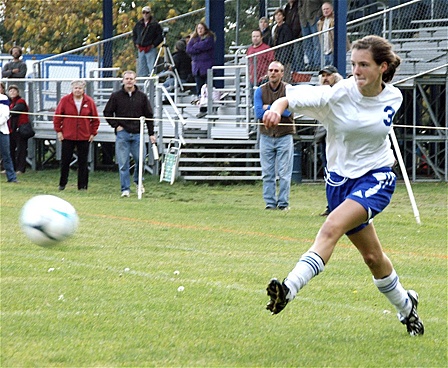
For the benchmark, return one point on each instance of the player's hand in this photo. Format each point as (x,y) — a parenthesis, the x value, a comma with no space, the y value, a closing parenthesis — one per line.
(271,119)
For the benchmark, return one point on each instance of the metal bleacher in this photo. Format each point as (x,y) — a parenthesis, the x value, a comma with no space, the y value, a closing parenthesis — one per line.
(223,145)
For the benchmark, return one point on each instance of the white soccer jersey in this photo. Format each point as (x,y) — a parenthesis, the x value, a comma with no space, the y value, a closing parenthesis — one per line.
(357,126)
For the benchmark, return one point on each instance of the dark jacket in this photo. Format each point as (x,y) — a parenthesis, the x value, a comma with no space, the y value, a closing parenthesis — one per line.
(267,36)
(120,104)
(202,52)
(16,119)
(182,61)
(292,19)
(151,35)
(310,11)
(76,126)
(282,35)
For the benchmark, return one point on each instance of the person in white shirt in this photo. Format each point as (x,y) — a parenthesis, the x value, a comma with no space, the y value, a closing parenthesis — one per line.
(357,113)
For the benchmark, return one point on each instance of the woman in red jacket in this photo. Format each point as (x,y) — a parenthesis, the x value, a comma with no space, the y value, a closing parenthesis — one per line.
(76,123)
(18,144)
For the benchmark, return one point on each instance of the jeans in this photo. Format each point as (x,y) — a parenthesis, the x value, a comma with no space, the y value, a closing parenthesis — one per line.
(145,62)
(276,157)
(128,144)
(312,45)
(5,153)
(82,150)
(328,59)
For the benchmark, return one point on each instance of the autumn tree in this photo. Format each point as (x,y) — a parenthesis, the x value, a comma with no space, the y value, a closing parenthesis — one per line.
(56,26)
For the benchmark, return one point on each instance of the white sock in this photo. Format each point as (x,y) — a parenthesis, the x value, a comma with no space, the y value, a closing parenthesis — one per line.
(392,289)
(309,265)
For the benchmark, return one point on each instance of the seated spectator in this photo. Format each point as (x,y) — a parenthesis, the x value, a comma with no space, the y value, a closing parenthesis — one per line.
(182,63)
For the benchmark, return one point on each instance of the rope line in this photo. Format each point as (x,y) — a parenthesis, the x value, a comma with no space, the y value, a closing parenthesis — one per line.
(205,122)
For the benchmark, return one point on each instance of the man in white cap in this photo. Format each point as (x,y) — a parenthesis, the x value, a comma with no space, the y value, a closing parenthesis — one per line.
(147,35)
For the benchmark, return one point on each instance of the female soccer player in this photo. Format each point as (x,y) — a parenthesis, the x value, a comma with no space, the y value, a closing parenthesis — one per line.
(357,113)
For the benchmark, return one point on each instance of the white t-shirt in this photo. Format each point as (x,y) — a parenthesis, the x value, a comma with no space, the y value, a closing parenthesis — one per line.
(357,126)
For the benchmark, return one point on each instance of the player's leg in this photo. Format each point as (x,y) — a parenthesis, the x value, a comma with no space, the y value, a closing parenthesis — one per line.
(386,279)
(348,215)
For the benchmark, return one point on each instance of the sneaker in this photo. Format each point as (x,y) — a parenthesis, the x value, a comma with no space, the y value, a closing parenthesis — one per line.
(201,114)
(61,187)
(143,188)
(270,208)
(283,208)
(125,193)
(413,323)
(277,292)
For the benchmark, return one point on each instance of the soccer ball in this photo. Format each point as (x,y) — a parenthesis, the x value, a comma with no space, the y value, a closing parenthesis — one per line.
(47,219)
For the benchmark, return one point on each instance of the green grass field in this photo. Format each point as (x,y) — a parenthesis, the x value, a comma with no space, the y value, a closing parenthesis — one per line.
(108,296)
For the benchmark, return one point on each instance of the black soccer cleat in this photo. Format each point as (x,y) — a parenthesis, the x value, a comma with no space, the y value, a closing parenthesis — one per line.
(413,323)
(277,292)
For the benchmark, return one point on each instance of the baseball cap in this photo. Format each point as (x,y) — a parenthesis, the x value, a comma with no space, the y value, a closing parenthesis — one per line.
(146,9)
(330,69)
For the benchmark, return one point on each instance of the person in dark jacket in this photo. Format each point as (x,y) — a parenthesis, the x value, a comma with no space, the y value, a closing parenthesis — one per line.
(129,102)
(266,33)
(281,33)
(147,35)
(182,63)
(18,144)
(201,48)
(76,123)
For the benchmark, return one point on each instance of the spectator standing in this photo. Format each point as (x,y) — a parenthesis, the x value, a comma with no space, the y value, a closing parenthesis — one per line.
(258,65)
(4,137)
(201,48)
(131,103)
(15,68)
(18,144)
(309,13)
(276,143)
(76,123)
(292,20)
(281,33)
(147,34)
(358,113)
(327,39)
(328,76)
(182,63)
(266,32)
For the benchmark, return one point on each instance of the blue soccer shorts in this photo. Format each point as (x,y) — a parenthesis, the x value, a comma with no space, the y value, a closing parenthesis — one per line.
(373,191)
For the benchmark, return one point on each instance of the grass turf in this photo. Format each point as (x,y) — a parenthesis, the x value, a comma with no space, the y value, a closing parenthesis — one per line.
(109,295)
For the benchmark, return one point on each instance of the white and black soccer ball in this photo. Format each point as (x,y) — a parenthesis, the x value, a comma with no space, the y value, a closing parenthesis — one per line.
(47,220)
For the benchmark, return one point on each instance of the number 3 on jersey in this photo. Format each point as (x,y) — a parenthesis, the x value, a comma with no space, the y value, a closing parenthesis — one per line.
(390,115)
